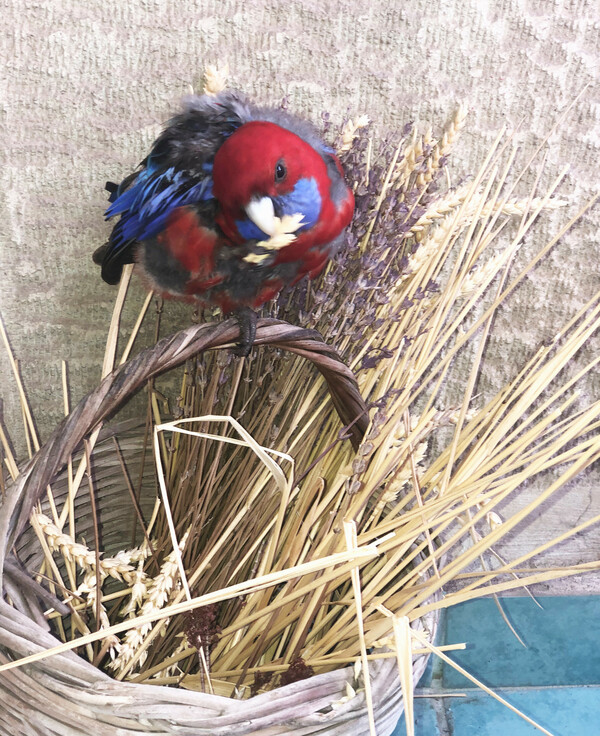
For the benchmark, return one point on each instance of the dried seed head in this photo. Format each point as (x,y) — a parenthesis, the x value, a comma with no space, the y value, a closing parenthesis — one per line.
(298,670)
(350,132)
(215,78)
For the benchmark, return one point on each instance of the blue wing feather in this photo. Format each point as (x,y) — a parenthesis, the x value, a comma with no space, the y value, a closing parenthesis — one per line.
(144,209)
(154,212)
(157,193)
(177,172)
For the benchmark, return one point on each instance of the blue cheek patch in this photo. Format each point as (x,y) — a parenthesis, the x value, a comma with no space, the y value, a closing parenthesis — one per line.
(304,199)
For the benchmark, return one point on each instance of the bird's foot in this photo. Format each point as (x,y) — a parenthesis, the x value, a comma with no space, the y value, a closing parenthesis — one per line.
(247,319)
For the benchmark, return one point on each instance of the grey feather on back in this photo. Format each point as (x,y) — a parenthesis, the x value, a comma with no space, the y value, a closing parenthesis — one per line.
(302,128)
(230,103)
(233,104)
(193,137)
(337,190)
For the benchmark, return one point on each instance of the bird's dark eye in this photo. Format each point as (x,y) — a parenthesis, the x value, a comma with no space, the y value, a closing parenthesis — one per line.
(280,171)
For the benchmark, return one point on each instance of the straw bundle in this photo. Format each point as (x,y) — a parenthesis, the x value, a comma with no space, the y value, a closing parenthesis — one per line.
(284,548)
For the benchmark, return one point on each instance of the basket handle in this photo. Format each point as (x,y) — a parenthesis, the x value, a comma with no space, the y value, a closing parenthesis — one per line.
(168,353)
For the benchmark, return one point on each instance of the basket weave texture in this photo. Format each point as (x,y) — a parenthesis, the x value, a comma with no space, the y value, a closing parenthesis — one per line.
(67,696)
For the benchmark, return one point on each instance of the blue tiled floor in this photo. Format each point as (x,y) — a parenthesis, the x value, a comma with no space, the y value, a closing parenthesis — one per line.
(425,719)
(564,711)
(555,680)
(562,642)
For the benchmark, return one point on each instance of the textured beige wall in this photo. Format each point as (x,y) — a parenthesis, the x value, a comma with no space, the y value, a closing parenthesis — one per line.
(85,85)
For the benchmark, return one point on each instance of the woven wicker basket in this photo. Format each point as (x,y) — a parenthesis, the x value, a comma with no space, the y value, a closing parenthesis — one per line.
(65,695)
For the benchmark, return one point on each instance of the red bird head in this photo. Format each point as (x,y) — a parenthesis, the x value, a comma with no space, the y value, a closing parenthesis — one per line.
(264,171)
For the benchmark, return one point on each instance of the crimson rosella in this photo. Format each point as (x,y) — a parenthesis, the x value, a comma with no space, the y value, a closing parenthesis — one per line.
(233,202)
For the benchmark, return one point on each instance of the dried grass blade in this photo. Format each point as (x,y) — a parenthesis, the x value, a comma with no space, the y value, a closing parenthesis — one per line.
(352,545)
(136,327)
(29,423)
(113,330)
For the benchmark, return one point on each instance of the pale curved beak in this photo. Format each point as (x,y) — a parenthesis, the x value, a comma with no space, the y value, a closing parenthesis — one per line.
(262,214)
